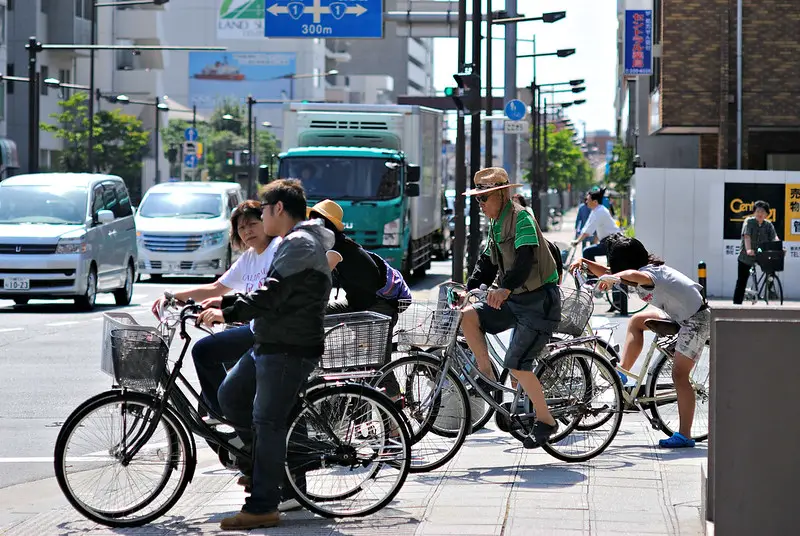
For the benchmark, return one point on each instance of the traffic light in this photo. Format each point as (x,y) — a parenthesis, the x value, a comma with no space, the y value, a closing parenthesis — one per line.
(229,159)
(467,96)
(243,158)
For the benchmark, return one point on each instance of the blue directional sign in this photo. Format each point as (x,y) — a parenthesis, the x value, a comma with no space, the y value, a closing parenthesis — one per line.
(324,19)
(190,161)
(190,134)
(515,109)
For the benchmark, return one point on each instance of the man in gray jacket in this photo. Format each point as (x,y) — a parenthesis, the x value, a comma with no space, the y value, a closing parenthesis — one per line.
(288,310)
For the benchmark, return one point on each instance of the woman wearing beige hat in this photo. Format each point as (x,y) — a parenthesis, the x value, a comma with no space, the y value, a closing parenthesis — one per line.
(527,298)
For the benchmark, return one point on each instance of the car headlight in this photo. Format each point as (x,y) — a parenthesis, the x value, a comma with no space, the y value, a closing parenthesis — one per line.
(139,239)
(71,245)
(391,233)
(213,239)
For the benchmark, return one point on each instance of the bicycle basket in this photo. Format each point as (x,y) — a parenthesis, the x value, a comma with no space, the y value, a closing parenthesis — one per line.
(355,340)
(427,324)
(112,321)
(576,310)
(770,261)
(139,357)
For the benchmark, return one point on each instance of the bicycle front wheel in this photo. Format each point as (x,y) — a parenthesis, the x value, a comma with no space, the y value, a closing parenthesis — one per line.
(438,419)
(582,389)
(661,390)
(635,303)
(348,451)
(93,472)
(773,289)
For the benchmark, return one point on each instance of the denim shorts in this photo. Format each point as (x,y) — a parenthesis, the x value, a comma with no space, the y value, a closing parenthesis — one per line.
(533,316)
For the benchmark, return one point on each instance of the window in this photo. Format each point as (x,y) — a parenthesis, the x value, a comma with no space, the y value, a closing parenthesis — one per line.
(65,76)
(122,208)
(10,72)
(79,9)
(97,200)
(2,102)
(44,74)
(2,25)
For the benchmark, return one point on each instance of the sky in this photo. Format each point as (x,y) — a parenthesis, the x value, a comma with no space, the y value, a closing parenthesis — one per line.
(590,27)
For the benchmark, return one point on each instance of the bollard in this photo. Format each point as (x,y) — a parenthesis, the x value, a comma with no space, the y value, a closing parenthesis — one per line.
(701,277)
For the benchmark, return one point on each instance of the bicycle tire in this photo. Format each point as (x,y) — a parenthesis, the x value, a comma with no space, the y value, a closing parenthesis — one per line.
(427,458)
(666,424)
(176,432)
(777,287)
(323,506)
(639,305)
(591,361)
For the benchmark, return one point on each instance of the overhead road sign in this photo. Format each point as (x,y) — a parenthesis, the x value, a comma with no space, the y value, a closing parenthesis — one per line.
(324,18)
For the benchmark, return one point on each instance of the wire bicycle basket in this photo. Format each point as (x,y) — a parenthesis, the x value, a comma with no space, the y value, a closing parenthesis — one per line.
(134,355)
(355,341)
(577,306)
(427,323)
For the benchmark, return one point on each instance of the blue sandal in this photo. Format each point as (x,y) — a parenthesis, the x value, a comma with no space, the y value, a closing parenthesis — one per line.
(677,441)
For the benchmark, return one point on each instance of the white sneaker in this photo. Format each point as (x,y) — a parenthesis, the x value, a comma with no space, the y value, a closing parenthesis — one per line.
(289,505)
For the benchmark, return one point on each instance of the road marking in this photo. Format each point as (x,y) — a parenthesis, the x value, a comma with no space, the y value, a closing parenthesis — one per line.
(69,323)
(6,330)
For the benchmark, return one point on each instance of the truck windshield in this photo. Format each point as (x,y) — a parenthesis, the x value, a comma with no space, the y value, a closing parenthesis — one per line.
(42,204)
(181,205)
(330,177)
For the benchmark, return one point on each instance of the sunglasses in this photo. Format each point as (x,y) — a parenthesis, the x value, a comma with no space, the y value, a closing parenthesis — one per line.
(483,198)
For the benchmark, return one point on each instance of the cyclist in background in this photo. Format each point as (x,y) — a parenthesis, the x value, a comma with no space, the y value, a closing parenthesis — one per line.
(757,230)
(213,355)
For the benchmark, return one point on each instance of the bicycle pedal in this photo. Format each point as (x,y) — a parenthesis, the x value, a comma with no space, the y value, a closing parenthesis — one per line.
(529,443)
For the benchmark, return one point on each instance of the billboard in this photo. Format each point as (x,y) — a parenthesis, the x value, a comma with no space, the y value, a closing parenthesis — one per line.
(240,19)
(638,49)
(739,199)
(217,76)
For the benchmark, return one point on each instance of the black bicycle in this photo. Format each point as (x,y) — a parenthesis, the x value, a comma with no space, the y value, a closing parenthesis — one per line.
(124,457)
(766,285)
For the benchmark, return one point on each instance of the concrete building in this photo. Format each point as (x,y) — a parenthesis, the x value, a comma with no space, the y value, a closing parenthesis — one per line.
(9,159)
(685,114)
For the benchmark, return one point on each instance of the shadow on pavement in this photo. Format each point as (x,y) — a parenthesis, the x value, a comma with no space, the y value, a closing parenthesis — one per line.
(654,452)
(528,477)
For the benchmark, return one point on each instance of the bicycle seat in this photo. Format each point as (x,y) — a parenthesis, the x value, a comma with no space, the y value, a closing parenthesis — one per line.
(662,328)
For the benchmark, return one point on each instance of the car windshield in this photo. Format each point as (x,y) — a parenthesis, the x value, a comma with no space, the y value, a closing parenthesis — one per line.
(352,178)
(181,205)
(42,205)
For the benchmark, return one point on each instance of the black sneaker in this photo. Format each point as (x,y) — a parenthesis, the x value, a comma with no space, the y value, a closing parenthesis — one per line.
(542,432)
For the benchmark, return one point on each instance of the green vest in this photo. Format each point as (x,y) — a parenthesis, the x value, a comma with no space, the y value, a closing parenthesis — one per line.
(503,251)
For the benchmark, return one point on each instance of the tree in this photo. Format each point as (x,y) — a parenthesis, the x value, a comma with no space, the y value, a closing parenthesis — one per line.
(220,135)
(621,167)
(120,140)
(567,166)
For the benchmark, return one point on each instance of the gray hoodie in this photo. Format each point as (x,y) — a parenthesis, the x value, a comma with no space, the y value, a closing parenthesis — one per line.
(289,308)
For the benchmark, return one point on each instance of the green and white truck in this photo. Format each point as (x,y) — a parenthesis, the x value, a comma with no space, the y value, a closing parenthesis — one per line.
(381,164)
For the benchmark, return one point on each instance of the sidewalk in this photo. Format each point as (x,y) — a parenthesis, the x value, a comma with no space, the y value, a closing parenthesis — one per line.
(492,487)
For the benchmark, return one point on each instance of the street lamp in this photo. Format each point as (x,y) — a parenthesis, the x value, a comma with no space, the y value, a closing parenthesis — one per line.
(292,77)
(546,17)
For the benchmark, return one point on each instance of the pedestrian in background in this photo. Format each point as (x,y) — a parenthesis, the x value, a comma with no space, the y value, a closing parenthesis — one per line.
(757,230)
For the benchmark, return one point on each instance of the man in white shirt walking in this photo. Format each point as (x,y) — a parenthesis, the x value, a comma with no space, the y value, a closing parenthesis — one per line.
(600,221)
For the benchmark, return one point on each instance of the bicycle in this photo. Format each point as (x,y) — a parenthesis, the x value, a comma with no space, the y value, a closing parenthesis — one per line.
(363,453)
(767,285)
(574,379)
(660,398)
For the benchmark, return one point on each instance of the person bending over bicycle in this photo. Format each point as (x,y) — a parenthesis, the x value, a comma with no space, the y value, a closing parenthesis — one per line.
(213,355)
(679,298)
(528,299)
(288,310)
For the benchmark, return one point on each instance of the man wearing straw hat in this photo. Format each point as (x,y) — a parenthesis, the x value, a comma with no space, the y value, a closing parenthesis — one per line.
(527,298)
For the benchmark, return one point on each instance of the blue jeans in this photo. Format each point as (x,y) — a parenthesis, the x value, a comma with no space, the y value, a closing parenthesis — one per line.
(279,378)
(212,355)
(592,252)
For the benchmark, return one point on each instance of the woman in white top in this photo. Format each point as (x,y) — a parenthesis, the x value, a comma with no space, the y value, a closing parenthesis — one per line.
(212,354)
(601,222)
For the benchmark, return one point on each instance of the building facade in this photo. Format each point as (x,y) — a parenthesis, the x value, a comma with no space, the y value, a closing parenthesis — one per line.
(686,114)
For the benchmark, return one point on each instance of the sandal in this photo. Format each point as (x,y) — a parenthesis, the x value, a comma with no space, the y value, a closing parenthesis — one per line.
(677,441)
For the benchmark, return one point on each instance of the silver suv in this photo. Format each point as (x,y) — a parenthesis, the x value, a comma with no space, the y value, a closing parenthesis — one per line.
(66,235)
(183,228)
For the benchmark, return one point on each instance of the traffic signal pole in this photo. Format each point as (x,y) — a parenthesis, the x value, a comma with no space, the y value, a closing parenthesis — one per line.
(475,136)
(461,178)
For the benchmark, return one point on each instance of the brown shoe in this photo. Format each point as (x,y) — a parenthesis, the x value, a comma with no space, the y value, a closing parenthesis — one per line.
(246,521)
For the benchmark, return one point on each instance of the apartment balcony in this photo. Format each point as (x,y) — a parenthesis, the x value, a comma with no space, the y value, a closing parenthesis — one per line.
(138,24)
(337,56)
(138,83)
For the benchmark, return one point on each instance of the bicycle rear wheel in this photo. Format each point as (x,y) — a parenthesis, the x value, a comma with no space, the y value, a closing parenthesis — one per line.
(438,422)
(97,436)
(348,451)
(579,386)
(662,388)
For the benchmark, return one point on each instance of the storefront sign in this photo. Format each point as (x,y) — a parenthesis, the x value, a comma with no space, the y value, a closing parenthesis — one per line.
(792,229)
(638,42)
(739,200)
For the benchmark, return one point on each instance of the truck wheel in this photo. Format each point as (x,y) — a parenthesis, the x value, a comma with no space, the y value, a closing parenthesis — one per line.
(407,263)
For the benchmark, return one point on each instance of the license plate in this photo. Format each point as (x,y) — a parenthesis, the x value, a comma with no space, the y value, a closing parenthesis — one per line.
(16,283)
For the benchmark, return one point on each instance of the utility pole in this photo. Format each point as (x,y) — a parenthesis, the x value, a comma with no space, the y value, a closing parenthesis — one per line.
(475,140)
(461,179)
(510,141)
(488,128)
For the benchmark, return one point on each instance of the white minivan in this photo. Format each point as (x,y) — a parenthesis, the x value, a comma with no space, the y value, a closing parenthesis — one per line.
(182,228)
(66,235)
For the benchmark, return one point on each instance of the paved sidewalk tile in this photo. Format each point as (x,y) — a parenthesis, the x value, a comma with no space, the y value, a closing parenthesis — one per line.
(492,487)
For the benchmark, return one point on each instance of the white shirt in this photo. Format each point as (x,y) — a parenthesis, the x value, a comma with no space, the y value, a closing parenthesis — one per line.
(250,269)
(601,222)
